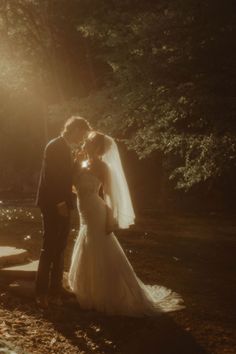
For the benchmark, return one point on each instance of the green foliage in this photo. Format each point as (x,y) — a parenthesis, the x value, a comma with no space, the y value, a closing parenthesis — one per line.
(166,92)
(159,75)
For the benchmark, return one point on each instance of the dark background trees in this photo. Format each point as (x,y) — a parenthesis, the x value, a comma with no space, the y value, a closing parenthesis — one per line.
(158,75)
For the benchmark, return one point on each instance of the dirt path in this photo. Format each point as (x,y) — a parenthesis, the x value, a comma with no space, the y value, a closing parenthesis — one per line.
(193,255)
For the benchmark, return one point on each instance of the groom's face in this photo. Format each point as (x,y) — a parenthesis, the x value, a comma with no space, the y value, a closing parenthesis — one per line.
(80,135)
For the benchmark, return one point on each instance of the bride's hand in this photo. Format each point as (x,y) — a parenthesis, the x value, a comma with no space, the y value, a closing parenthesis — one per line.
(111,223)
(111,228)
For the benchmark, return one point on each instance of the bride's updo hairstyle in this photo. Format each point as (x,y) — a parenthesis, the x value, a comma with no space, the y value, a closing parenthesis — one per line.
(97,144)
(75,123)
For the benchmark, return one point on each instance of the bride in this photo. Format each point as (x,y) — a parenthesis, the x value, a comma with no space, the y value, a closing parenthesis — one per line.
(100,274)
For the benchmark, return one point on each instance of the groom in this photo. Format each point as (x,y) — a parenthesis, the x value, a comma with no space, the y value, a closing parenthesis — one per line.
(54,198)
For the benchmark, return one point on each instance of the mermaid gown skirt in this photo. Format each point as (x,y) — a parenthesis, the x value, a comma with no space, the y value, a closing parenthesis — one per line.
(100,274)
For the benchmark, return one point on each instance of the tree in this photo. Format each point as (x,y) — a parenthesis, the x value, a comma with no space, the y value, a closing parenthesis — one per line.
(160,76)
(172,82)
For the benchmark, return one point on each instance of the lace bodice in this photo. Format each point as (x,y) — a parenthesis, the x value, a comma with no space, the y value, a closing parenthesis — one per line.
(87,185)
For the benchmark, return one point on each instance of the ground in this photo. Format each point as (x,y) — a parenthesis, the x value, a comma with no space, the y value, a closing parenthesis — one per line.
(192,254)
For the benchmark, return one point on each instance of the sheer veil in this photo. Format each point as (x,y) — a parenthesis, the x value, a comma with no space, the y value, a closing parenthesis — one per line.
(118,198)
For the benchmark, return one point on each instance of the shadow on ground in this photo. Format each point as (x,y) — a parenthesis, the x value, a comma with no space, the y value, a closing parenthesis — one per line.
(89,332)
(160,335)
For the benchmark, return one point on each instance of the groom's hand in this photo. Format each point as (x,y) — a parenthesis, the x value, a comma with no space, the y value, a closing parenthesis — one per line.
(62,209)
(80,156)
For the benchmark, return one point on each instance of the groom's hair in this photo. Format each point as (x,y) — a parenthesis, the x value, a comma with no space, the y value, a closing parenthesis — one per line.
(75,122)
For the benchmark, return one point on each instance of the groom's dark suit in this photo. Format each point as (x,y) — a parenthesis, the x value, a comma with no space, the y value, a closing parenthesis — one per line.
(55,187)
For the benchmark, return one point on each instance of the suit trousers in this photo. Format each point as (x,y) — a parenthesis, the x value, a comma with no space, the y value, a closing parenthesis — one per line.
(51,262)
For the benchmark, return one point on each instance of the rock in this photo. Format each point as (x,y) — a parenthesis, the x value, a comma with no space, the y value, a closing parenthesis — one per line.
(25,271)
(23,288)
(11,256)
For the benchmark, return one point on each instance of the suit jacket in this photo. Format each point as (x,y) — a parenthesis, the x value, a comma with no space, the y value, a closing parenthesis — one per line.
(55,183)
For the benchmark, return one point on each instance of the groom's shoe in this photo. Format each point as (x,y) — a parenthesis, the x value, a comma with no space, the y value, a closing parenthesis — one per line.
(42,301)
(56,300)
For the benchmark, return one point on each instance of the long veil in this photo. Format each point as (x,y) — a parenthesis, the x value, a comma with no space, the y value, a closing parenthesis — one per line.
(119,199)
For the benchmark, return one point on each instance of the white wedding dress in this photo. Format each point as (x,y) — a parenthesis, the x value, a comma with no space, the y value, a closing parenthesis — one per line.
(100,275)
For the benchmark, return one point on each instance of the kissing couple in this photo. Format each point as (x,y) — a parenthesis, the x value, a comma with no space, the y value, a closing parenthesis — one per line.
(100,275)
